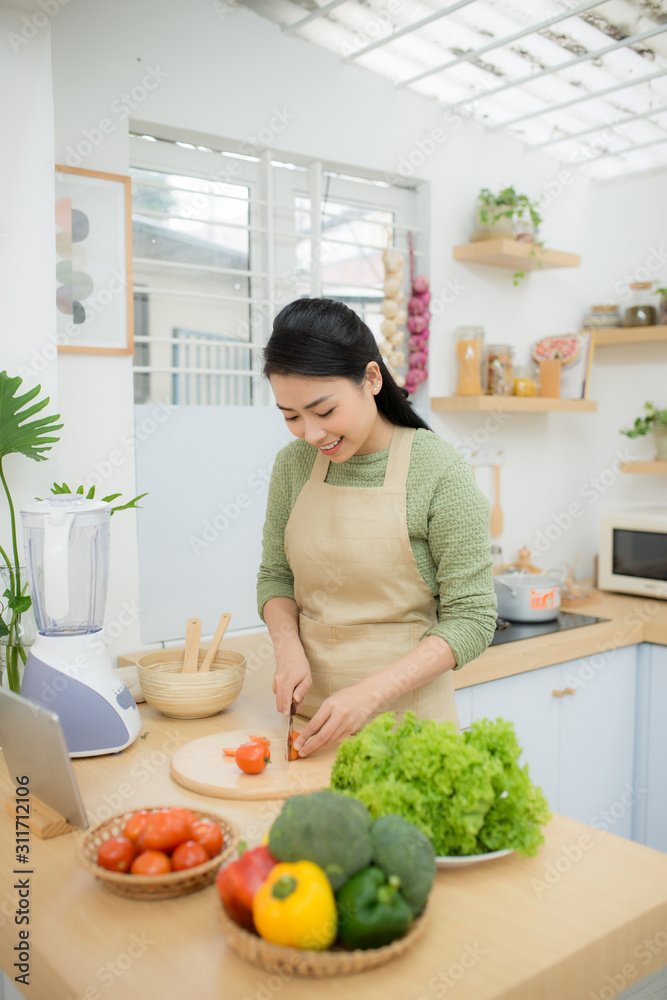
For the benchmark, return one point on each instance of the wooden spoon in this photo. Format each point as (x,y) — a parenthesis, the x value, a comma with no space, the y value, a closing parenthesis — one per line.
(496,522)
(192,636)
(215,642)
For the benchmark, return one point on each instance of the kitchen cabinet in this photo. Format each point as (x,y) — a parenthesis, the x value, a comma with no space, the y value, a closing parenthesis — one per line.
(650,826)
(580,745)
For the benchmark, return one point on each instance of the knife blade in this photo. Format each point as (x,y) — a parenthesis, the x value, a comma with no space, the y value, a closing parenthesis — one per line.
(290,733)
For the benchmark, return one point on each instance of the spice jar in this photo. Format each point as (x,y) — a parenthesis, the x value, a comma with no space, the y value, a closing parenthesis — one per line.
(498,370)
(525,380)
(469,348)
(640,312)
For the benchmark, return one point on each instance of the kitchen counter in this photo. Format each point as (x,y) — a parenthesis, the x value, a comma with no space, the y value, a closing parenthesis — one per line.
(589,911)
(630,620)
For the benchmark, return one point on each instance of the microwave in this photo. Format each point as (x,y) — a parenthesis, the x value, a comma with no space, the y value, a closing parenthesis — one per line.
(633,551)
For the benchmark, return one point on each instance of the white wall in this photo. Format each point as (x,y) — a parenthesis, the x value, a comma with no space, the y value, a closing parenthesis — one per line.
(225,72)
(27,248)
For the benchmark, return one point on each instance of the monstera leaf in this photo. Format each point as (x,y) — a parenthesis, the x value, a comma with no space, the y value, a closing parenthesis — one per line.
(18,433)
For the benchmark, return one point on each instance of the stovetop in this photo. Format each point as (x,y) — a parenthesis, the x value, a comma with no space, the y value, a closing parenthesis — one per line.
(513,631)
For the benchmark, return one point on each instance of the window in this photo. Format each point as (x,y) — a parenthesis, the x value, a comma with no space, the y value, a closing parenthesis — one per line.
(223,240)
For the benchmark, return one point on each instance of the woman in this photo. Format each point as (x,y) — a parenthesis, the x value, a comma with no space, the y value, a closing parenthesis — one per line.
(376,578)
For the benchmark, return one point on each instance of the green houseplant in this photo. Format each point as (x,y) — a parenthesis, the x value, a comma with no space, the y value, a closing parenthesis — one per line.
(509,214)
(654,421)
(520,212)
(19,434)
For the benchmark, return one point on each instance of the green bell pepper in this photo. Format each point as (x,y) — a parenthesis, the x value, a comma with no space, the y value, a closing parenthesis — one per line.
(371,910)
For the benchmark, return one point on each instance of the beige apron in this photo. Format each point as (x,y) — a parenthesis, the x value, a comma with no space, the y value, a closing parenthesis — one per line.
(362,601)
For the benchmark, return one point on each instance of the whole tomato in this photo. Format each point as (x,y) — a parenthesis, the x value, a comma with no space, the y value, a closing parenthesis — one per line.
(116,854)
(252,757)
(238,882)
(190,818)
(188,855)
(166,830)
(135,824)
(209,835)
(151,863)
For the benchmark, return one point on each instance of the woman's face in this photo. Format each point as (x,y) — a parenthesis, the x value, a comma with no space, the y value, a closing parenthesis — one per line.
(334,411)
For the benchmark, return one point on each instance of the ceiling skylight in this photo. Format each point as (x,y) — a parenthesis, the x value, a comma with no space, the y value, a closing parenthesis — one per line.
(586,81)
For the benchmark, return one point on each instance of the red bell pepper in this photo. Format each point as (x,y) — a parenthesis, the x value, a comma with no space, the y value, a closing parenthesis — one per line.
(239,881)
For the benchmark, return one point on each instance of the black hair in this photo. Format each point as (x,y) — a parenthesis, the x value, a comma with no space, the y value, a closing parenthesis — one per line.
(324,338)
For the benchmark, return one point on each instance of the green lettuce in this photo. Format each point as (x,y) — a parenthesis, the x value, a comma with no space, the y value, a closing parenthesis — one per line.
(466,791)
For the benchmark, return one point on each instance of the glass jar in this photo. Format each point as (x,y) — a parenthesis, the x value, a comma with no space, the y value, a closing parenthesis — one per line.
(498,367)
(640,312)
(525,380)
(606,315)
(469,348)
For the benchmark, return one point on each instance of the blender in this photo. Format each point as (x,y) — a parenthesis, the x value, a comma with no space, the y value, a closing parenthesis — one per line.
(68,667)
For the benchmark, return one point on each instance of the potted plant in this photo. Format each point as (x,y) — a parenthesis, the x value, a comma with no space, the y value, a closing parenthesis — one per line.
(19,435)
(506,213)
(654,421)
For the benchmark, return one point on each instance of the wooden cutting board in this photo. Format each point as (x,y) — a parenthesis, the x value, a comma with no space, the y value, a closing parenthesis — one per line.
(202,767)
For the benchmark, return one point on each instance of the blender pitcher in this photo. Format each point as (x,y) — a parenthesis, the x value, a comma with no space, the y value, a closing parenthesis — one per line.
(68,668)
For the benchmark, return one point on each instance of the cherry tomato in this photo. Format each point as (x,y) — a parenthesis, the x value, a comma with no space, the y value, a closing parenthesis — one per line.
(188,855)
(209,835)
(151,863)
(116,854)
(166,830)
(252,757)
(135,824)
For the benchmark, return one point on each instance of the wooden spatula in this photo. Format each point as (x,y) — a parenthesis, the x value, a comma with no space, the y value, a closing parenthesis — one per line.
(192,636)
(496,522)
(215,642)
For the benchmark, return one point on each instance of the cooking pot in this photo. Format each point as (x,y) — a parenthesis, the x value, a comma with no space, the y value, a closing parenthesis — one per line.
(529,597)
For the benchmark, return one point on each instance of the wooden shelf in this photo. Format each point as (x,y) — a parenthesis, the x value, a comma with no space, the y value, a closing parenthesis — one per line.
(515,255)
(514,404)
(655,468)
(628,334)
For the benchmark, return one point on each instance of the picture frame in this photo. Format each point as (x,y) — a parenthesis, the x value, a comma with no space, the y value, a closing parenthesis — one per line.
(94,297)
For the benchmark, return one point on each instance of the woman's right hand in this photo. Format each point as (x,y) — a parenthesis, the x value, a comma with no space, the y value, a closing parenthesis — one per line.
(293,678)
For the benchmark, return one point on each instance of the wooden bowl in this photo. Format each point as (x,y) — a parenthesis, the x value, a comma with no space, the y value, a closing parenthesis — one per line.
(319,964)
(190,696)
(155,886)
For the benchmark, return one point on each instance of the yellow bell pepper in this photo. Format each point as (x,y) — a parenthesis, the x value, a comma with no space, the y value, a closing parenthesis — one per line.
(296,907)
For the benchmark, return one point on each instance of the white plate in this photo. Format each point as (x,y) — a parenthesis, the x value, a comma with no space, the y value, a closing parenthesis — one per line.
(462,860)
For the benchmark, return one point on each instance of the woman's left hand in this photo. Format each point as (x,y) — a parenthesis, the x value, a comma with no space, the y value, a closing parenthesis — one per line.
(341,715)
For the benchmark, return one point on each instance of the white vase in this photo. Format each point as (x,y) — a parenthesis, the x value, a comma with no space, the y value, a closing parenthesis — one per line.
(14,647)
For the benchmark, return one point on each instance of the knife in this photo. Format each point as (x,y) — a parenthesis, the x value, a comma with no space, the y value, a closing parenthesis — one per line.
(289,753)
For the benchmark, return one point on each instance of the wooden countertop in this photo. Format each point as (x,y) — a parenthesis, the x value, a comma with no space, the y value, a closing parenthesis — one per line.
(589,906)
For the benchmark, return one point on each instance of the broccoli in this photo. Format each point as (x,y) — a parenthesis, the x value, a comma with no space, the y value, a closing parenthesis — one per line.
(400,848)
(328,828)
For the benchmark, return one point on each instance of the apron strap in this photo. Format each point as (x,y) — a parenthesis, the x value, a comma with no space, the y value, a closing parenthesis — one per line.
(320,468)
(398,463)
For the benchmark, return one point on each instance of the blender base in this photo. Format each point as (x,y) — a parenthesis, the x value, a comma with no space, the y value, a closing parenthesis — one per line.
(73,677)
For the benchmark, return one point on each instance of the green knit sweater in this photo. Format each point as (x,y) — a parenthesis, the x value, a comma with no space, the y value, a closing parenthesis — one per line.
(448,524)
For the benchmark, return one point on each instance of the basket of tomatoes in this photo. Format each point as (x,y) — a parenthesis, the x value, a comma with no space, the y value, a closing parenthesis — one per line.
(159,852)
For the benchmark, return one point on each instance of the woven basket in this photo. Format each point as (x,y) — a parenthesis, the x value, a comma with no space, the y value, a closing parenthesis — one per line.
(319,964)
(155,886)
